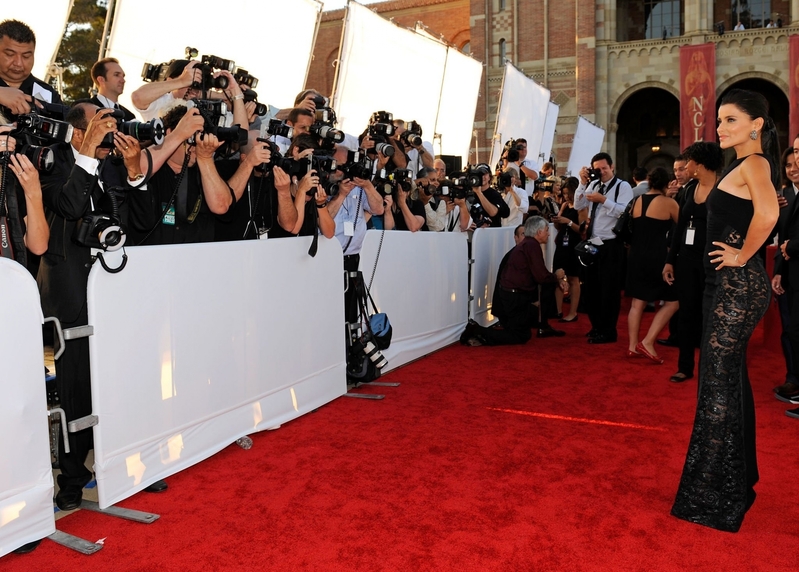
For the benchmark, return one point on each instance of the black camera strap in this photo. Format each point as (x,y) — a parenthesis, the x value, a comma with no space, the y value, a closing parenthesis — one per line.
(6,248)
(603,190)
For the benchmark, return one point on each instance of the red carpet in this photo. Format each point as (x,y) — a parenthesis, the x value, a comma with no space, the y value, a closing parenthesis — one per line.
(556,455)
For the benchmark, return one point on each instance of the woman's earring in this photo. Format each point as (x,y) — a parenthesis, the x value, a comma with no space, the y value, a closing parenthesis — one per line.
(753,135)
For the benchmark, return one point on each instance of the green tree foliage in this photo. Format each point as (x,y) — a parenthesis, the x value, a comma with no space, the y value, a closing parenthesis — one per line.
(80,47)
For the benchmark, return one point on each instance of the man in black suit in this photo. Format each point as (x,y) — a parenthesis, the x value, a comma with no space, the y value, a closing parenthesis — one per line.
(109,79)
(785,283)
(17,85)
(77,184)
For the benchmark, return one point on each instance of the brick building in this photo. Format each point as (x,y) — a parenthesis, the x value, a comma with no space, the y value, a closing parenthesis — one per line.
(615,62)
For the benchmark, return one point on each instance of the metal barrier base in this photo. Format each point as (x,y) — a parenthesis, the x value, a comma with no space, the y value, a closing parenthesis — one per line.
(382,383)
(74,543)
(364,396)
(119,512)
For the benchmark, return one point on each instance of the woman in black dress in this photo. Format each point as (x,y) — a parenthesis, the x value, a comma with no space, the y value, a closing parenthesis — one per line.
(685,266)
(717,484)
(654,215)
(567,221)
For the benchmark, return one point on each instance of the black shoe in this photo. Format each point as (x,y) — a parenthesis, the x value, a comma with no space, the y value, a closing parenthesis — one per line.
(793,413)
(29,547)
(602,339)
(670,342)
(679,377)
(157,487)
(591,333)
(550,332)
(787,386)
(69,497)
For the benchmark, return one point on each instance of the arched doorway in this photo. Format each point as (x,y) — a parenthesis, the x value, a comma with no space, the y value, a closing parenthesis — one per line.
(649,131)
(778,108)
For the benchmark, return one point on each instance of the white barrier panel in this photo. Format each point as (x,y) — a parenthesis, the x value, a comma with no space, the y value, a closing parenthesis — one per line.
(421,282)
(26,480)
(489,246)
(197,345)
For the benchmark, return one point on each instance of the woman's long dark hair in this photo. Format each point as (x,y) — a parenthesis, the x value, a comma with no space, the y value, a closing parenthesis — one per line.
(756,106)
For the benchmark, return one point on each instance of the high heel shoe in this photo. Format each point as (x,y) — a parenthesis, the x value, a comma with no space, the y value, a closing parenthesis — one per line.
(643,351)
(565,321)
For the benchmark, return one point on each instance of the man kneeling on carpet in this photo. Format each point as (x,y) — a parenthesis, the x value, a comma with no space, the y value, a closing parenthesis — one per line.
(522,280)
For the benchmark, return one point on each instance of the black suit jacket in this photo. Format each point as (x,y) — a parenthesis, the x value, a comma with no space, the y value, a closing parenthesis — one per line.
(67,193)
(788,229)
(129,116)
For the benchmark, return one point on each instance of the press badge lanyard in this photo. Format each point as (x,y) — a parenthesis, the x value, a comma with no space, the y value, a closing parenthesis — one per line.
(690,232)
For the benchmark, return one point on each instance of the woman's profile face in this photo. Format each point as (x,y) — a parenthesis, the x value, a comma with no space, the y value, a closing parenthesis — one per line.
(734,126)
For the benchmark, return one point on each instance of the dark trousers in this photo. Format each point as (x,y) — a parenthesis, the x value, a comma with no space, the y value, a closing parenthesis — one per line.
(73,383)
(792,328)
(785,303)
(517,316)
(689,275)
(351,263)
(602,287)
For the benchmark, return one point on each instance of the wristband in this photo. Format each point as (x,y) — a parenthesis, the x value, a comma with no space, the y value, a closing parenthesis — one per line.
(235,97)
(321,206)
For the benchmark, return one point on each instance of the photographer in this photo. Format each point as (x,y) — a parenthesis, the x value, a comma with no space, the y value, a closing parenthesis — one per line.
(264,207)
(21,209)
(355,197)
(184,195)
(300,120)
(528,167)
(516,198)
(442,212)
(410,138)
(401,211)
(311,214)
(380,141)
(489,200)
(81,177)
(607,196)
(522,276)
(17,86)
(153,99)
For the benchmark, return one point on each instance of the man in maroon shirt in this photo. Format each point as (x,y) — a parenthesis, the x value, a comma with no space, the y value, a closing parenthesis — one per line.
(521,274)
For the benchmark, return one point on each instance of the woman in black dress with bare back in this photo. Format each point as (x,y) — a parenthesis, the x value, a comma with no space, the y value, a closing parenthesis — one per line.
(717,484)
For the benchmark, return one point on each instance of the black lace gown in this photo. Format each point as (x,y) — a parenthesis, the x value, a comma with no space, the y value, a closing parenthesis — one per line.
(717,484)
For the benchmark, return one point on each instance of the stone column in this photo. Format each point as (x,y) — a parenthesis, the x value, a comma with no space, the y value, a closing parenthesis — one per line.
(794,19)
(693,16)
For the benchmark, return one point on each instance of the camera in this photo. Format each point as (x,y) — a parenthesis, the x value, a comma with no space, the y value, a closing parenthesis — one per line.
(42,128)
(358,165)
(243,77)
(41,157)
(152,130)
(381,127)
(214,113)
(479,216)
(260,108)
(324,126)
(594,174)
(281,128)
(155,72)
(412,136)
(100,230)
(505,180)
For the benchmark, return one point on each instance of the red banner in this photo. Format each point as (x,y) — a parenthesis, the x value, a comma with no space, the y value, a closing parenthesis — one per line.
(697,94)
(793,91)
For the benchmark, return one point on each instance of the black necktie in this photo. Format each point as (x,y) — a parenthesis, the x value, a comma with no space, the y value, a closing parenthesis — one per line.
(593,213)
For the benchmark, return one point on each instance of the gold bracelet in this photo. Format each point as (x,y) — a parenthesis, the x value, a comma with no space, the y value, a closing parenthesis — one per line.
(736,260)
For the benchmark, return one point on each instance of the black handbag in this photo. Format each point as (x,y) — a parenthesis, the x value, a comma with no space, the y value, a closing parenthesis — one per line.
(623,229)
